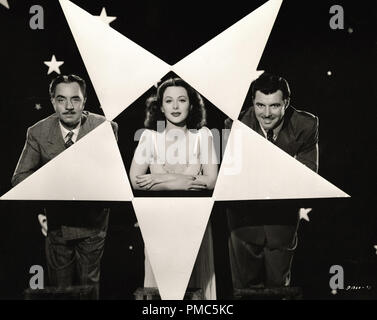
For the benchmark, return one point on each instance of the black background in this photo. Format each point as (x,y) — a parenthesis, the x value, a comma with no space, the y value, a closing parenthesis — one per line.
(302,48)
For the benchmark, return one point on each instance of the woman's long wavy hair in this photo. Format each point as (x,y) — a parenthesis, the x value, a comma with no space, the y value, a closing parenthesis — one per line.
(196,118)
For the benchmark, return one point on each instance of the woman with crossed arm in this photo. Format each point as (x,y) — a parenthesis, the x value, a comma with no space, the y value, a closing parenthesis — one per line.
(179,155)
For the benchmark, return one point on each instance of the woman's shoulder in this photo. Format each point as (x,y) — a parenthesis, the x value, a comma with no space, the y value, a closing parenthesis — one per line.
(205,132)
(147,133)
(146,138)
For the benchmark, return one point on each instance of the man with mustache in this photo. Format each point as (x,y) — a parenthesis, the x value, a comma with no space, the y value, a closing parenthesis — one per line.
(263,235)
(76,232)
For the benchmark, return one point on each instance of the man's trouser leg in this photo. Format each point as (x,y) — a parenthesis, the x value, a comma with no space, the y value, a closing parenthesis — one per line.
(280,245)
(89,252)
(60,256)
(247,256)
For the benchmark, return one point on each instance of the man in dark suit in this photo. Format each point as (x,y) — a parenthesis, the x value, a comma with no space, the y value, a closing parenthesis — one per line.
(76,232)
(263,235)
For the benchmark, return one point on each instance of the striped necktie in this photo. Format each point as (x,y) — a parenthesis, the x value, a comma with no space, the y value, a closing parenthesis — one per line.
(270,135)
(69,141)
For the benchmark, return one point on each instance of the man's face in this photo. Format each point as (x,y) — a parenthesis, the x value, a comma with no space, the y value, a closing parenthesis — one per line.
(68,103)
(269,108)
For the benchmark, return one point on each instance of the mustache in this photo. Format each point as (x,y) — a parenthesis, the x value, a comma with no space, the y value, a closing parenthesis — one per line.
(69,112)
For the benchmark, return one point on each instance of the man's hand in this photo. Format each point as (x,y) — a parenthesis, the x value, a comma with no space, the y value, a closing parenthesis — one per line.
(43,222)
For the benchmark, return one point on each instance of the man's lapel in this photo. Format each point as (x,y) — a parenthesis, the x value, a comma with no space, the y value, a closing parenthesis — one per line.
(55,138)
(251,121)
(286,139)
(85,127)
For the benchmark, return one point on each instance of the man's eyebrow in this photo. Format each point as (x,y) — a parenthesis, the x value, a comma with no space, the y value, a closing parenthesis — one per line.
(60,96)
(74,97)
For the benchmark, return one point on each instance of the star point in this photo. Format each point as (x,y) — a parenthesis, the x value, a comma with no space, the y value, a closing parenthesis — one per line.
(5,3)
(105,18)
(53,65)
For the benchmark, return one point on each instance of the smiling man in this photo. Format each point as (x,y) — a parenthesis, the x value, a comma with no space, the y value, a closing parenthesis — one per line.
(76,232)
(263,235)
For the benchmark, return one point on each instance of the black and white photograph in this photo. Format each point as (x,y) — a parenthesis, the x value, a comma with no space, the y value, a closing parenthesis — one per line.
(188,151)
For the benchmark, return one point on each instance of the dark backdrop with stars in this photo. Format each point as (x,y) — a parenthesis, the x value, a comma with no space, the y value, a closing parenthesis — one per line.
(331,74)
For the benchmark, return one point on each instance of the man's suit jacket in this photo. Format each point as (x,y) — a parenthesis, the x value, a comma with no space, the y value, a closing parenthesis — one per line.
(299,138)
(298,135)
(44,141)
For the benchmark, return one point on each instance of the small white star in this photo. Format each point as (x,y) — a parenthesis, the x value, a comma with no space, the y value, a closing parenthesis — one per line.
(105,18)
(5,3)
(53,65)
(38,106)
(329,73)
(375,247)
(350,30)
(303,212)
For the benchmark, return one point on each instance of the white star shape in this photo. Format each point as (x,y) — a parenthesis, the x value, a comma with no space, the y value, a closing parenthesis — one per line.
(53,65)
(38,106)
(303,212)
(105,18)
(5,3)
(375,247)
(241,66)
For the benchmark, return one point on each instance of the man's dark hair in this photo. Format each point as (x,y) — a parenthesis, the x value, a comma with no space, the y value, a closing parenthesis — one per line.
(196,117)
(268,83)
(67,79)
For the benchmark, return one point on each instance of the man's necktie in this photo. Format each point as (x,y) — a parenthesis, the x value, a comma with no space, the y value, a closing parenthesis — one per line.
(69,141)
(270,135)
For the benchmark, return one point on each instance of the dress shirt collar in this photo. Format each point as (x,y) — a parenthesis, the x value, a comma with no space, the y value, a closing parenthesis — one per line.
(276,130)
(66,131)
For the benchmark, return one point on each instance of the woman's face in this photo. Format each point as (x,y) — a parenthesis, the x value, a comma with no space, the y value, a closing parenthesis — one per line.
(176,105)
